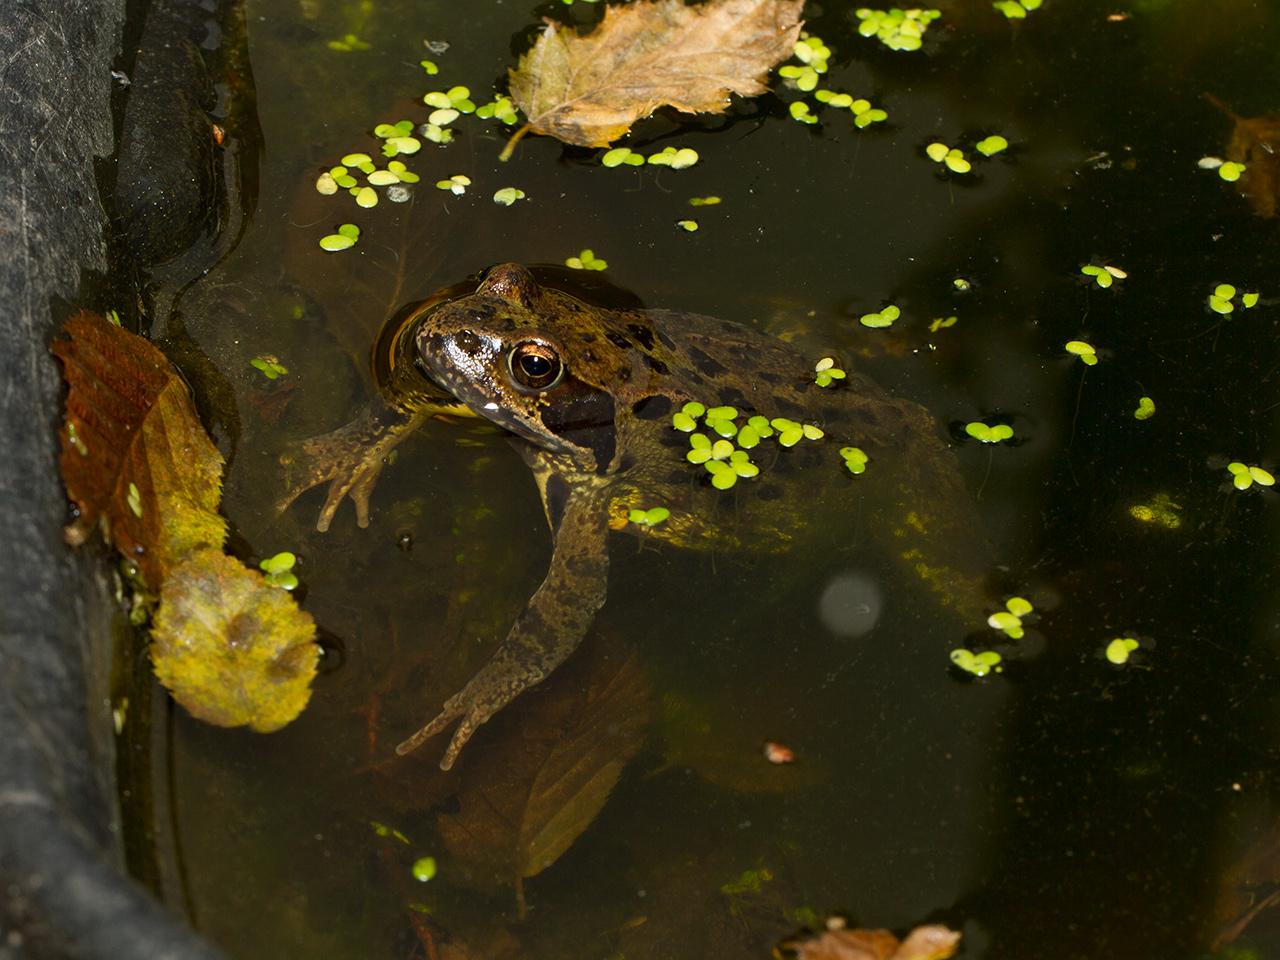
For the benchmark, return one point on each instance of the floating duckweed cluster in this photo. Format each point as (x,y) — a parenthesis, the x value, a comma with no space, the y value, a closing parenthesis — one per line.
(457,99)
(586,260)
(897,29)
(726,460)
(677,158)
(990,146)
(813,55)
(508,195)
(1104,275)
(826,372)
(456,184)
(1146,409)
(952,157)
(1016,9)
(278,570)
(703,201)
(501,108)
(1009,620)
(855,461)
(648,518)
(1119,649)
(941,323)
(341,177)
(347,235)
(269,366)
(989,433)
(1244,476)
(1085,351)
(884,318)
(864,114)
(979,664)
(397,138)
(1223,296)
(1228,170)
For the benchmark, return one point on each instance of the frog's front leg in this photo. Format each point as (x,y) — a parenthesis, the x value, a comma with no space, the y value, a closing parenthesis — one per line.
(546,632)
(349,459)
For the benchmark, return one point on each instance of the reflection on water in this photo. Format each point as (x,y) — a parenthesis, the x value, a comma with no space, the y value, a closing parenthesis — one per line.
(1064,807)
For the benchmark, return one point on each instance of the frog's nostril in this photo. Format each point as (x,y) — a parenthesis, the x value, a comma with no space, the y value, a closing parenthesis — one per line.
(467,342)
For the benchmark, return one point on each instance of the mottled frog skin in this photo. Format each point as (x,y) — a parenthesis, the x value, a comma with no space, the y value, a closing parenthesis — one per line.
(588,394)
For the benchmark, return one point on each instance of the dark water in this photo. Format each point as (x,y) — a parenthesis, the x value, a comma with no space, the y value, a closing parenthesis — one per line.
(1066,808)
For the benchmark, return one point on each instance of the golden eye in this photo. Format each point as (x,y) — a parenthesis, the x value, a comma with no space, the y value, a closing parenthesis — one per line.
(534,366)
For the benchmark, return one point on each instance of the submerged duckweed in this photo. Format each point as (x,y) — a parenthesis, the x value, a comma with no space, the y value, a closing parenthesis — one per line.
(269,366)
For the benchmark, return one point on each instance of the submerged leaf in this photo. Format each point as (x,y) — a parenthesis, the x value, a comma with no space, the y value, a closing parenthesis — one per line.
(1255,162)
(931,942)
(527,797)
(589,90)
(230,647)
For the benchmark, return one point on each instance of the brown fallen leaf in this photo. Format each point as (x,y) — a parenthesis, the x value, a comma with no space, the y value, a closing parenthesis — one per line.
(135,457)
(136,461)
(1254,142)
(526,797)
(930,942)
(589,90)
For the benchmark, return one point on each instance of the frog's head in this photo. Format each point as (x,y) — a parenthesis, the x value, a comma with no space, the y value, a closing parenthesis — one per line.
(503,351)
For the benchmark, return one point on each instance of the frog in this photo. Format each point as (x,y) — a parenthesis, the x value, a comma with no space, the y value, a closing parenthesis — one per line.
(591,397)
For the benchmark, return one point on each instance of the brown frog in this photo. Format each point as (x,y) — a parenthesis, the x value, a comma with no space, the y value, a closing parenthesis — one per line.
(590,398)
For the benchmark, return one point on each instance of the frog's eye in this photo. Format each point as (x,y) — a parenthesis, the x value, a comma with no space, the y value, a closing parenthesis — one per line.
(534,366)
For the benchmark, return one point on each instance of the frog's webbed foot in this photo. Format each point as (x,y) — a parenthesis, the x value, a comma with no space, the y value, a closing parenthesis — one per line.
(349,459)
(546,632)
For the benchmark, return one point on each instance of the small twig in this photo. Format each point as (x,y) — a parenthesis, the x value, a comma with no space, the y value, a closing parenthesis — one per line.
(509,149)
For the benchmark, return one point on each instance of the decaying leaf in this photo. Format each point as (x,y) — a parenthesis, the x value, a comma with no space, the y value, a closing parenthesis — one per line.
(527,796)
(1255,142)
(135,458)
(137,462)
(931,942)
(231,648)
(588,90)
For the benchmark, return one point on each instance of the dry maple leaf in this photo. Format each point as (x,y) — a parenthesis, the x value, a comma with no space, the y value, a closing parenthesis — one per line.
(588,90)
(230,648)
(1255,142)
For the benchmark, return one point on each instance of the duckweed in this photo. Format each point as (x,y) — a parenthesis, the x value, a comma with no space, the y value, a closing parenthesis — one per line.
(978,664)
(620,155)
(1085,351)
(1243,477)
(827,373)
(1016,9)
(941,323)
(424,868)
(367,197)
(699,448)
(500,108)
(864,114)
(1228,170)
(278,570)
(648,518)
(586,260)
(1119,649)
(134,499)
(951,157)
(1146,409)
(990,146)
(347,235)
(269,366)
(326,184)
(813,55)
(456,184)
(689,226)
(429,66)
(508,195)
(884,318)
(455,98)
(989,433)
(1009,620)
(703,201)
(897,29)
(800,112)
(1104,275)
(1222,299)
(855,461)
(1162,511)
(442,117)
(675,158)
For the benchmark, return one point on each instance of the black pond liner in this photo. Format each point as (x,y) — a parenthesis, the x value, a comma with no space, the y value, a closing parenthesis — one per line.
(63,889)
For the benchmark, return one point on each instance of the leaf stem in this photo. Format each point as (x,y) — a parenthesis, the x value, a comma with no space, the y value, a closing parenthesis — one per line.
(505,155)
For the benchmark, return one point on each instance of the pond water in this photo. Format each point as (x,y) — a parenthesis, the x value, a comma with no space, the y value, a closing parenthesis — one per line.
(1065,807)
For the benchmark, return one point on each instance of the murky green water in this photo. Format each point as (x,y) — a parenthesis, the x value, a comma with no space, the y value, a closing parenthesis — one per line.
(1065,808)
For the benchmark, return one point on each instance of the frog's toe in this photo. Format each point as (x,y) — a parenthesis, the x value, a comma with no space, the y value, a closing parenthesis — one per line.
(472,717)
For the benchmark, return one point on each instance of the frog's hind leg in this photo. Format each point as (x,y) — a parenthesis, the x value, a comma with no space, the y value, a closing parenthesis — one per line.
(546,632)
